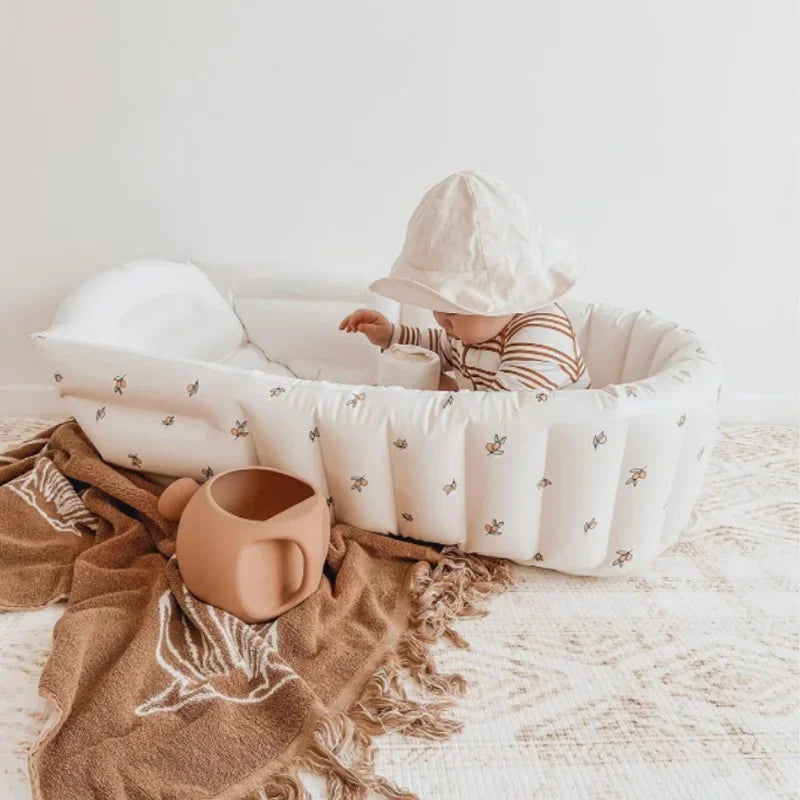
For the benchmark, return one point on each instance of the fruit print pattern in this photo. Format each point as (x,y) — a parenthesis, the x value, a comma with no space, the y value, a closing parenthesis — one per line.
(623,556)
(240,429)
(493,528)
(637,474)
(493,448)
(359,482)
(356,399)
(100,414)
(58,377)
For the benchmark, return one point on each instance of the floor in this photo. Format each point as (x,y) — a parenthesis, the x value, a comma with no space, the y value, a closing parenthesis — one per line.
(676,684)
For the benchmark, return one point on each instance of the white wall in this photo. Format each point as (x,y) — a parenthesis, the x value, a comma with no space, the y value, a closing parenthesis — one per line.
(660,137)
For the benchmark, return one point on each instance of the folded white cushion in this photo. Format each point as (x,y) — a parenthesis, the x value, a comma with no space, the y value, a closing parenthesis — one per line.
(152,306)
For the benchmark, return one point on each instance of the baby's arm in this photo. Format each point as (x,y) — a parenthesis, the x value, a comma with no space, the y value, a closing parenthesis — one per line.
(540,353)
(383,333)
(433,339)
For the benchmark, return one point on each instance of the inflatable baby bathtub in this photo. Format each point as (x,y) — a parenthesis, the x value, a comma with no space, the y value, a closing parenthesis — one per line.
(166,376)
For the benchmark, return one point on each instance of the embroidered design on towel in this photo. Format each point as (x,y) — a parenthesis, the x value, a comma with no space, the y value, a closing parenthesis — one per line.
(51,495)
(313,434)
(407,517)
(226,659)
(631,391)
(590,525)
(207,472)
(277,391)
(493,528)
(119,384)
(637,474)
(359,482)
(168,421)
(100,414)
(681,420)
(448,401)
(598,439)
(135,460)
(58,377)
(538,557)
(493,448)
(544,483)
(240,429)
(449,488)
(356,399)
(400,444)
(622,557)
(700,453)
(193,388)
(542,396)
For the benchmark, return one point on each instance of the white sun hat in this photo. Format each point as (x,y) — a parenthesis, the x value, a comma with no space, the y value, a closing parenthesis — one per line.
(471,248)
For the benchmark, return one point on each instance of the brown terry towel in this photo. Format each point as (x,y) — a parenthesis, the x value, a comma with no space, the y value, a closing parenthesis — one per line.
(158,695)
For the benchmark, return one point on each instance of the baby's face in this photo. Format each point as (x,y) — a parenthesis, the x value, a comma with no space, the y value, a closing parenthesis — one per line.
(471,328)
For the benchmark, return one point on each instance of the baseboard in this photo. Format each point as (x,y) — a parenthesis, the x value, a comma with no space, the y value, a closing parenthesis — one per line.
(30,401)
(743,408)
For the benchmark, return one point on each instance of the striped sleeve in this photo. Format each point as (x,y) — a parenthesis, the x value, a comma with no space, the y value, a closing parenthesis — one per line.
(540,351)
(431,339)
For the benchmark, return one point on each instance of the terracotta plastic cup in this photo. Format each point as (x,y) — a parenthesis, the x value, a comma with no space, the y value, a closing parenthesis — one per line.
(251,541)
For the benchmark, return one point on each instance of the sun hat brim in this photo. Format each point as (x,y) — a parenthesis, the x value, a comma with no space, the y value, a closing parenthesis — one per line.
(410,292)
(514,299)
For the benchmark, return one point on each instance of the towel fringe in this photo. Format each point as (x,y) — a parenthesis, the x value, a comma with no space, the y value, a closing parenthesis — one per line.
(285,786)
(340,746)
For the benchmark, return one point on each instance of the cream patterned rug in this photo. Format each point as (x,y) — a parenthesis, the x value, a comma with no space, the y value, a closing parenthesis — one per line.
(682,683)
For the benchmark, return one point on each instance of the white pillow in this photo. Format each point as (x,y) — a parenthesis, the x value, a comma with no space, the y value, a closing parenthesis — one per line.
(151,306)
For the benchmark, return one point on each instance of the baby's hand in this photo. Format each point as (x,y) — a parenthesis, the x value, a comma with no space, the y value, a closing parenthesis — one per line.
(373,325)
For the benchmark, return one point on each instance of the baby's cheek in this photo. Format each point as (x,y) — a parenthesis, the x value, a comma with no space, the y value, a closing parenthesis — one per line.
(470,330)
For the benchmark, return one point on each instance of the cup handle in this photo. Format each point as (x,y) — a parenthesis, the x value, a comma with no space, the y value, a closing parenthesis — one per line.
(307,585)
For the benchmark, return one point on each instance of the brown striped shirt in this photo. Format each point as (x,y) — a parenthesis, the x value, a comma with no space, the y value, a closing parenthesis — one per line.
(536,351)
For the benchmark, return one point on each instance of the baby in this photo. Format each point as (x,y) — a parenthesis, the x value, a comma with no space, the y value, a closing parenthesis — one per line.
(492,281)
